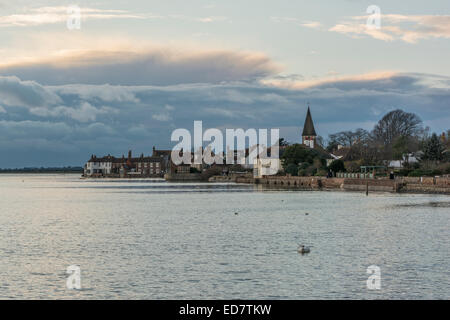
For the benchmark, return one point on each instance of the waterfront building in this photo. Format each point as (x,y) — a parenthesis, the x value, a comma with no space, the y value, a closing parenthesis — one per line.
(265,165)
(165,158)
(99,166)
(110,166)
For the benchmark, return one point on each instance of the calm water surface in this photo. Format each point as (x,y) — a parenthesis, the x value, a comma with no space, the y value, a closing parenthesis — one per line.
(149,239)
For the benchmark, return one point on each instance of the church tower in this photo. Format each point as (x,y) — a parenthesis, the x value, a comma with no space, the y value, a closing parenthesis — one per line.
(309,134)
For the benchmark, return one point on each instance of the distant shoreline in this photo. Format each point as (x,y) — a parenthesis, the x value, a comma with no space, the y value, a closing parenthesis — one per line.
(44,170)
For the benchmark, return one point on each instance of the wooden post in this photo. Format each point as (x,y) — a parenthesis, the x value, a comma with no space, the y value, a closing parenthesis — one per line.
(367,188)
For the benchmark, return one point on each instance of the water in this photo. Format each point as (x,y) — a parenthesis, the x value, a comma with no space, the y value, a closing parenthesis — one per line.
(156,240)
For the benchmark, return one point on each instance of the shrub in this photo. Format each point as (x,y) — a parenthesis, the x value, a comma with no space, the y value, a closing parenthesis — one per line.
(444,168)
(404,172)
(420,173)
(447,168)
(213,171)
(292,169)
(353,166)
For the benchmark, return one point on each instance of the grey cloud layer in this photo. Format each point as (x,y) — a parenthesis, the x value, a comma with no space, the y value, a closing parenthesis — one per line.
(152,67)
(57,125)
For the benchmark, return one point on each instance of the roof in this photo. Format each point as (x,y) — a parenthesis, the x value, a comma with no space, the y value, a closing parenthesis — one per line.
(342,152)
(124,160)
(161,153)
(308,128)
(324,153)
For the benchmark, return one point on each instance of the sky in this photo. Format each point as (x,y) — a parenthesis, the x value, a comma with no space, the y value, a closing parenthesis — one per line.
(137,70)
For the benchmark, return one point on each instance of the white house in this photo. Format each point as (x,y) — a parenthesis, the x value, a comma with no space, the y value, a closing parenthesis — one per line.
(98,166)
(265,167)
(398,164)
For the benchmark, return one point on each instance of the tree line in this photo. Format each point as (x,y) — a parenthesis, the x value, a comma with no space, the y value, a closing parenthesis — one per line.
(398,135)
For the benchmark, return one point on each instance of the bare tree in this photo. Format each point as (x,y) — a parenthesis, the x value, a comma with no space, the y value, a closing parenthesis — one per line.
(348,138)
(395,124)
(320,141)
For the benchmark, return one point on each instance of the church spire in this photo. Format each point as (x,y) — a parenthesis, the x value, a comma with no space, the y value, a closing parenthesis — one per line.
(309,133)
(308,128)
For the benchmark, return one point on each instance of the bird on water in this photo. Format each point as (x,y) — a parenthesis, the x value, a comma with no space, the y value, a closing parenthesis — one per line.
(302,249)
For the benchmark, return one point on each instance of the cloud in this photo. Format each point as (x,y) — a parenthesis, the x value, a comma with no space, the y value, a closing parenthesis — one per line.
(360,79)
(84,113)
(164,115)
(208,19)
(51,15)
(298,22)
(84,119)
(394,27)
(15,92)
(60,14)
(311,24)
(156,66)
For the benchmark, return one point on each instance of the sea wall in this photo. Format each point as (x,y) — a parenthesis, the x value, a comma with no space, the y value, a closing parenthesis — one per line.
(426,184)
(183,177)
(420,185)
(230,177)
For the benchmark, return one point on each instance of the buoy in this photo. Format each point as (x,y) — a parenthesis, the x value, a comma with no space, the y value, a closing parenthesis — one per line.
(306,213)
(236,213)
(302,249)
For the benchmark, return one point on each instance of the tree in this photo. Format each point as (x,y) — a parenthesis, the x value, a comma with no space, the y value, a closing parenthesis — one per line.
(282,142)
(298,153)
(292,169)
(213,171)
(332,145)
(347,138)
(337,166)
(320,141)
(298,158)
(193,170)
(236,168)
(433,149)
(447,139)
(404,145)
(395,124)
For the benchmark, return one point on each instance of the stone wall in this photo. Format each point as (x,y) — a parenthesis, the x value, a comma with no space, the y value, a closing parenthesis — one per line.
(183,177)
(378,185)
(289,181)
(426,184)
(409,184)
(231,177)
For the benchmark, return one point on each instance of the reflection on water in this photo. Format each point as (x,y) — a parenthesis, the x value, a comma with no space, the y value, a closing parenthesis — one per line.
(434,204)
(156,240)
